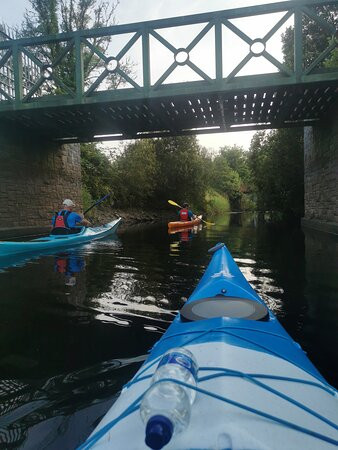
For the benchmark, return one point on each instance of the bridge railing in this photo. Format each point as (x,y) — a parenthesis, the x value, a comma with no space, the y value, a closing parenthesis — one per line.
(143,59)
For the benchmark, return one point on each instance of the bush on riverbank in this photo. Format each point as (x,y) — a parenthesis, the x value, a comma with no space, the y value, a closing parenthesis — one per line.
(216,203)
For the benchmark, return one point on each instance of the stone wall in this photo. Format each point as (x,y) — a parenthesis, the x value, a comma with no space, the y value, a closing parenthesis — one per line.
(35,177)
(321,174)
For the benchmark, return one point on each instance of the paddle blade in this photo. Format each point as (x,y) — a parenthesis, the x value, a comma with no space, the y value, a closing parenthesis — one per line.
(171,202)
(208,223)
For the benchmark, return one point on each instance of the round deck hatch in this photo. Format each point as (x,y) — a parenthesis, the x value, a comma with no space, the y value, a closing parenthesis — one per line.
(221,306)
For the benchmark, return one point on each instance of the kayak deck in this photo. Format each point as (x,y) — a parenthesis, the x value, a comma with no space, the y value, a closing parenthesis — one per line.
(256,387)
(185,224)
(57,241)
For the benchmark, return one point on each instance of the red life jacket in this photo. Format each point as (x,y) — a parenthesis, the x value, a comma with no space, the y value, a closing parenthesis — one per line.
(184,214)
(61,265)
(61,219)
(184,236)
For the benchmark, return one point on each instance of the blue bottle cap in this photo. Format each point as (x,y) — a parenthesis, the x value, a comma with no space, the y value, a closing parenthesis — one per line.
(159,431)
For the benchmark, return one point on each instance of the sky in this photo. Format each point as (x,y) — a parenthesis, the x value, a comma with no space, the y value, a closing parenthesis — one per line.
(129,11)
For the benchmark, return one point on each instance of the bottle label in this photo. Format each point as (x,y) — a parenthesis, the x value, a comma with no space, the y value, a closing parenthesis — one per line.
(182,360)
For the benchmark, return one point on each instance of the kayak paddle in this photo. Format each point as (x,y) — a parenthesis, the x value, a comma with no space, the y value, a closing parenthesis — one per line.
(171,202)
(98,202)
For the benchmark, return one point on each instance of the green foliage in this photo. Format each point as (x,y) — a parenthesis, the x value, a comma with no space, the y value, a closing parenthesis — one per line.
(181,174)
(332,62)
(53,16)
(44,19)
(135,176)
(149,172)
(276,160)
(315,41)
(217,204)
(230,174)
(237,159)
(87,199)
(97,171)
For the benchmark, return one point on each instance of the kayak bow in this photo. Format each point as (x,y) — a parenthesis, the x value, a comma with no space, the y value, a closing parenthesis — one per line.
(256,387)
(52,242)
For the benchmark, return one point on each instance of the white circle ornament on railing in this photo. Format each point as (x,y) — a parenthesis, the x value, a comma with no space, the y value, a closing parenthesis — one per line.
(111,64)
(181,56)
(257,47)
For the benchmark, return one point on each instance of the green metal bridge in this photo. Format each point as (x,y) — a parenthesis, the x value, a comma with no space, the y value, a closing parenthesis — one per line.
(175,76)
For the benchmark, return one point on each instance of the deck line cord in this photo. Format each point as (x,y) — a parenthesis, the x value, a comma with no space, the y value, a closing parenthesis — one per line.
(224,329)
(134,406)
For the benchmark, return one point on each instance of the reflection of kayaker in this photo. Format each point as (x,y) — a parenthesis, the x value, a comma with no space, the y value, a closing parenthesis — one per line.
(190,233)
(186,235)
(69,265)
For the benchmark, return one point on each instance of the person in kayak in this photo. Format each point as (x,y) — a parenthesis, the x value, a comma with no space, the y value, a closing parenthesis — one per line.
(185,213)
(67,221)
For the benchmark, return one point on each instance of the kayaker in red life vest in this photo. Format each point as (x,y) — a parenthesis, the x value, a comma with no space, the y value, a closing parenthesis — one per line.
(185,213)
(67,221)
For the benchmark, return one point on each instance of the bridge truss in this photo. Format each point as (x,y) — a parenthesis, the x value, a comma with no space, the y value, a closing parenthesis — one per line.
(175,76)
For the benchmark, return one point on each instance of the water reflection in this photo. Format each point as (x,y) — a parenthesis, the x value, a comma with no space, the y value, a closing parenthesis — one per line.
(38,411)
(186,234)
(69,264)
(62,342)
(319,327)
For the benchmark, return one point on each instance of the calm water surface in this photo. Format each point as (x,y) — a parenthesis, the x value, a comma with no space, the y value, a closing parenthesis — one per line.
(74,327)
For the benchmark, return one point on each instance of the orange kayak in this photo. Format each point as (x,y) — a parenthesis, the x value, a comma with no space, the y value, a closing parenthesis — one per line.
(185,224)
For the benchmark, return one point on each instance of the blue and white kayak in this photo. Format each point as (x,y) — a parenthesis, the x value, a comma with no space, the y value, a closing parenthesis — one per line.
(52,242)
(256,387)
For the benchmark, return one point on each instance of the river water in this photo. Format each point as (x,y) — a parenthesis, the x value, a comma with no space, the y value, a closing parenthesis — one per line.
(74,327)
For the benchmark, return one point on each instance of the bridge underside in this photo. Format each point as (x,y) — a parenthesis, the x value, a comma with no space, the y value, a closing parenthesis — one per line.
(195,110)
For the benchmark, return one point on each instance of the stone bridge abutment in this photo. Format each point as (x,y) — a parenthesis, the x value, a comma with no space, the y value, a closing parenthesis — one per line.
(321,174)
(35,176)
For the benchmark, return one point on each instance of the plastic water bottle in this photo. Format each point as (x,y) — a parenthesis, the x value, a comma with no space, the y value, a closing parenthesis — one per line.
(166,407)
(180,364)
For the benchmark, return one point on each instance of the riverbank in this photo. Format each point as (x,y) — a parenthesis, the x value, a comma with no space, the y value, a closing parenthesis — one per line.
(130,216)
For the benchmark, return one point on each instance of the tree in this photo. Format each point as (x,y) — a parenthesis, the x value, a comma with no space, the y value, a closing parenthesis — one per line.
(315,41)
(97,171)
(182,170)
(230,174)
(225,180)
(276,160)
(135,174)
(54,16)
